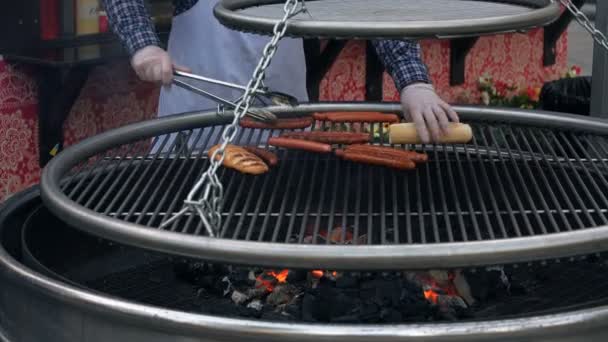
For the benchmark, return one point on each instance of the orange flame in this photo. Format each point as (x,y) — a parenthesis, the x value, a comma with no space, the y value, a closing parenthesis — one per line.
(281,278)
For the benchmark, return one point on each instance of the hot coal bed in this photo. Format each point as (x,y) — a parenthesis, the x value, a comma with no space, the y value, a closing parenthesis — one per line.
(301,295)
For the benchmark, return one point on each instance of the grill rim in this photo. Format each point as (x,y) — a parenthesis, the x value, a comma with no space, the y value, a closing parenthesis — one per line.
(374,257)
(545,12)
(61,298)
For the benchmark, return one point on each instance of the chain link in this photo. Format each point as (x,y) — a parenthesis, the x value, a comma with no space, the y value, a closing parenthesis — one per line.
(209,205)
(582,19)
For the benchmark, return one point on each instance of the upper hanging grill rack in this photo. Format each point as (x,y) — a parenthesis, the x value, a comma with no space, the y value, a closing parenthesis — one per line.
(345,19)
(529,186)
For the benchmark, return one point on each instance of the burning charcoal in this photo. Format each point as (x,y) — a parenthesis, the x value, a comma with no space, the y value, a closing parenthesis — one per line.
(256,305)
(238,297)
(257,292)
(282,294)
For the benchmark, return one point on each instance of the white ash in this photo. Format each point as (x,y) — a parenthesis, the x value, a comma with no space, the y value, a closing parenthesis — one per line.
(256,305)
(228,287)
(239,298)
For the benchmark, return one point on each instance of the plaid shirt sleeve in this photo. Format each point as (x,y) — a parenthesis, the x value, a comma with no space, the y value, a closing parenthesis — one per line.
(402,60)
(131,21)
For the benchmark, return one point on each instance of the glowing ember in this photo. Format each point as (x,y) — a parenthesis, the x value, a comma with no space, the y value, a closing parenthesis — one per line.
(435,287)
(275,278)
(431,296)
(282,276)
(318,274)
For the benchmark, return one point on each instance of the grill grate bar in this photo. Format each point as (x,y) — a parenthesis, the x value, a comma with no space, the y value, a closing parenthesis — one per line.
(399,214)
(119,180)
(279,224)
(442,196)
(557,181)
(182,149)
(601,177)
(547,186)
(250,196)
(489,190)
(468,199)
(273,195)
(109,176)
(152,178)
(480,199)
(175,178)
(332,207)
(498,178)
(81,178)
(129,180)
(578,178)
(521,184)
(176,226)
(455,199)
(431,198)
(235,201)
(535,185)
(227,190)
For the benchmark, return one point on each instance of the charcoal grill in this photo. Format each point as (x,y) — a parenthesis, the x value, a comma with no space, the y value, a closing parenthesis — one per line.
(530,186)
(75,287)
(390,18)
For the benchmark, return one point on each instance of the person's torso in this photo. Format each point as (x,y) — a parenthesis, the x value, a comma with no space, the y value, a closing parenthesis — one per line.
(198,41)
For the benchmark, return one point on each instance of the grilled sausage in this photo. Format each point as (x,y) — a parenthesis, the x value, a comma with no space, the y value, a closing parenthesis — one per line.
(400,164)
(291,123)
(346,138)
(384,151)
(241,160)
(269,157)
(357,117)
(298,144)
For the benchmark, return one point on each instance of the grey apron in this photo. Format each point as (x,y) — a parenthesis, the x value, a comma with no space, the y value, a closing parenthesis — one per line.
(198,41)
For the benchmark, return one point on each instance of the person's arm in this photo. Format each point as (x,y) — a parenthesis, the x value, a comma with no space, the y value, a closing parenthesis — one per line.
(131,22)
(402,60)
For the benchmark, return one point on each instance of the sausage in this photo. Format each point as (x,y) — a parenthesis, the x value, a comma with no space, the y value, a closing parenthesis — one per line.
(400,164)
(298,144)
(357,117)
(291,123)
(330,137)
(267,156)
(389,152)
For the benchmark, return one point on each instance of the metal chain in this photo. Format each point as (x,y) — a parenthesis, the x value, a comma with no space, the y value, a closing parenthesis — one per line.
(209,205)
(582,19)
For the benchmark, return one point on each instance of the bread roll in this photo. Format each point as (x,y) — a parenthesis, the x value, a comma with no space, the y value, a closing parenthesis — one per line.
(405,133)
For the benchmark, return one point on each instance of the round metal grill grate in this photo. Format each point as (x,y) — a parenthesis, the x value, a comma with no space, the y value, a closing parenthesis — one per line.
(390,18)
(517,192)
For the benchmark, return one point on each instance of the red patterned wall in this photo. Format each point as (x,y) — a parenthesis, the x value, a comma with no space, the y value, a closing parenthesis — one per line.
(113,96)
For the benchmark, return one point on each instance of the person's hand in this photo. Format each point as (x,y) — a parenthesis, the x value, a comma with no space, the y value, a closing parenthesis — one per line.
(431,114)
(154,64)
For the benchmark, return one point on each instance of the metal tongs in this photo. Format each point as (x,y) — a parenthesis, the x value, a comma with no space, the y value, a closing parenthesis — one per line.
(265,96)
